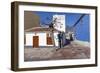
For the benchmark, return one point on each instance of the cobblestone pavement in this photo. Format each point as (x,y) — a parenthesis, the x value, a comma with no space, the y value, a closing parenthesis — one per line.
(72,51)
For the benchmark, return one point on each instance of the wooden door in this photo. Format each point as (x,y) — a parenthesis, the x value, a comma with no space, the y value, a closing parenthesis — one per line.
(35,41)
(49,41)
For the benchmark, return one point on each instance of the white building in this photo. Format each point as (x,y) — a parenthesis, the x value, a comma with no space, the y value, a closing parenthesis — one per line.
(39,36)
(43,36)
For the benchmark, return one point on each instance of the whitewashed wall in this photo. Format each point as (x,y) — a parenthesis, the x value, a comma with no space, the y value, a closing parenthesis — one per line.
(56,38)
(29,39)
(42,39)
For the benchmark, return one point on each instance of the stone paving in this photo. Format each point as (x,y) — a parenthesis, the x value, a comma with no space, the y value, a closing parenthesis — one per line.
(72,51)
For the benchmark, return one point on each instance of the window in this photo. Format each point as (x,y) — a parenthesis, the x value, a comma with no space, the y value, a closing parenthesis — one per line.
(49,39)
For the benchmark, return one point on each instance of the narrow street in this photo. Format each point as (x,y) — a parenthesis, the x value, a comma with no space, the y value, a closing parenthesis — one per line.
(72,51)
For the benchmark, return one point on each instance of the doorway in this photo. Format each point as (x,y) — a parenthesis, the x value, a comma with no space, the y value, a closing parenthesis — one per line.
(35,41)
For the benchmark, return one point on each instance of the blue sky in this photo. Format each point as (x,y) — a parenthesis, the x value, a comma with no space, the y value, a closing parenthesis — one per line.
(82,30)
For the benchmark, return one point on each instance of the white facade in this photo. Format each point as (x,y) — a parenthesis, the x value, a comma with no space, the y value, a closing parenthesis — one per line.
(59,22)
(42,38)
(56,39)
